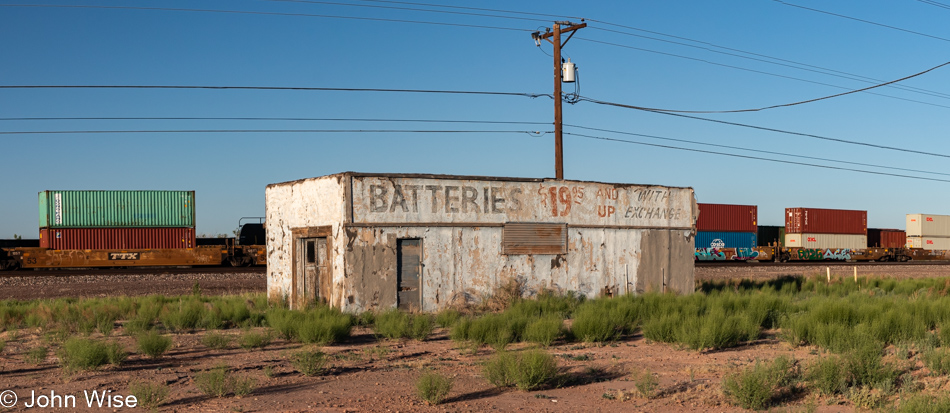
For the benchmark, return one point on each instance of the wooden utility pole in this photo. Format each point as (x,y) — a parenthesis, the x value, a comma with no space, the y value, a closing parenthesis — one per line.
(554,37)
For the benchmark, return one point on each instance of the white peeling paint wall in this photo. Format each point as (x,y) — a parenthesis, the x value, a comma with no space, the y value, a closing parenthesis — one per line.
(305,203)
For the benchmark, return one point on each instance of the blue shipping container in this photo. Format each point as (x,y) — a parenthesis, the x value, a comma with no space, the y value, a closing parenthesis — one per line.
(719,239)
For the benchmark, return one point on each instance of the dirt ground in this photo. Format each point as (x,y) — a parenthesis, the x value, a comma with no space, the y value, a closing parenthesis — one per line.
(376,375)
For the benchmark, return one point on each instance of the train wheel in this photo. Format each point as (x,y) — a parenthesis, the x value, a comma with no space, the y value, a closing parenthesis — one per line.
(240,262)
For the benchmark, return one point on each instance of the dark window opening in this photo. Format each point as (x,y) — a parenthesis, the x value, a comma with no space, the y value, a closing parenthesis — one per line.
(311,253)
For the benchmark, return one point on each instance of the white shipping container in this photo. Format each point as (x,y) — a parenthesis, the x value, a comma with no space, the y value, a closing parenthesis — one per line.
(837,241)
(929,243)
(928,225)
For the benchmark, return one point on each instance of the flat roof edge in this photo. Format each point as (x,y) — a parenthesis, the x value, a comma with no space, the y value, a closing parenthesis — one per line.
(460,177)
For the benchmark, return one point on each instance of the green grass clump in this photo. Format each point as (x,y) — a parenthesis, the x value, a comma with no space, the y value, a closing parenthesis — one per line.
(646,384)
(183,315)
(220,382)
(757,386)
(433,387)
(866,368)
(153,344)
(395,324)
(545,330)
(37,355)
(321,324)
(115,353)
(83,354)
(447,318)
(310,362)
(149,395)
(937,360)
(527,370)
(252,339)
(216,341)
(923,404)
(605,319)
(828,375)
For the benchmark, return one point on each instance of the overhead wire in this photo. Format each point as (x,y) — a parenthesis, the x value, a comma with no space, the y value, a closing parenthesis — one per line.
(755,157)
(329,16)
(784,104)
(936,3)
(809,135)
(270,119)
(863,21)
(719,145)
(755,71)
(298,88)
(77,132)
(331,3)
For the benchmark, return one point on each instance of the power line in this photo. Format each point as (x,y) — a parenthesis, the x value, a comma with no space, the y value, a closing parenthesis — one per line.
(328,16)
(808,135)
(778,61)
(935,3)
(756,150)
(785,104)
(756,158)
(863,21)
(557,16)
(331,3)
(77,132)
(322,89)
(278,119)
(755,71)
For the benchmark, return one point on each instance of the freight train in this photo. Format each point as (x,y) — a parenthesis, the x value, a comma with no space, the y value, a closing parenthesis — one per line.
(90,229)
(730,233)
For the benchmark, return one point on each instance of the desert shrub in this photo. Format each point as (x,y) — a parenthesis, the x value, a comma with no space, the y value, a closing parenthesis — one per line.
(755,387)
(433,387)
(115,353)
(310,363)
(366,319)
(149,395)
(716,330)
(213,382)
(83,354)
(283,322)
(528,370)
(646,384)
(937,360)
(216,340)
(923,404)
(252,339)
(605,319)
(662,328)
(447,318)
(828,375)
(153,344)
(864,397)
(184,315)
(324,330)
(105,323)
(544,330)
(37,355)
(865,367)
(220,382)
(398,324)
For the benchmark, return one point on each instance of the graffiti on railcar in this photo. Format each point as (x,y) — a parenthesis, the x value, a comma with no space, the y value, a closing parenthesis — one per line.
(809,254)
(709,254)
(745,254)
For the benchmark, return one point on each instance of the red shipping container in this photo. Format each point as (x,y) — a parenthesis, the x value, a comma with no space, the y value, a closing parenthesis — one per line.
(825,221)
(116,238)
(728,218)
(893,238)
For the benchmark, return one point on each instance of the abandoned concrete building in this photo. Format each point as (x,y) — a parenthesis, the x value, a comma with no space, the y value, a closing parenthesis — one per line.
(379,241)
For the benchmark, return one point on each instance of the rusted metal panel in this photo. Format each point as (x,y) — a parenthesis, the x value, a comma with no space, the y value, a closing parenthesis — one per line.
(391,201)
(929,243)
(409,276)
(725,217)
(825,221)
(524,238)
(47,258)
(849,241)
(886,238)
(116,238)
(928,225)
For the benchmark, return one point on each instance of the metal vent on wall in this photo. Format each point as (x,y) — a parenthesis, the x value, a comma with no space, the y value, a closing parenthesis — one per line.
(524,238)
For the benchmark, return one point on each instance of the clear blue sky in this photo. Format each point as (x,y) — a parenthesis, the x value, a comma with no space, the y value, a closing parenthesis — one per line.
(115,46)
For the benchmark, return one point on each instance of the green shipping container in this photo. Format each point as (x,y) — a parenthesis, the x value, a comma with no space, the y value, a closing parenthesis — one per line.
(117,209)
